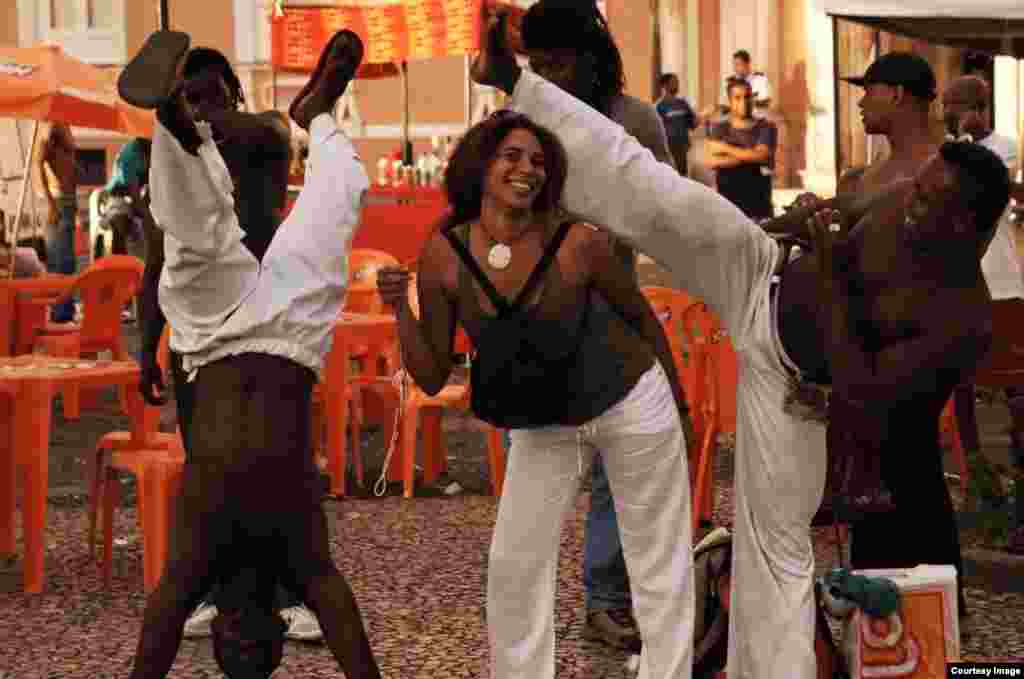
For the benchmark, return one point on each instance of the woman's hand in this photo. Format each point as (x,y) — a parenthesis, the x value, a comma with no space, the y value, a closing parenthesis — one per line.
(393,284)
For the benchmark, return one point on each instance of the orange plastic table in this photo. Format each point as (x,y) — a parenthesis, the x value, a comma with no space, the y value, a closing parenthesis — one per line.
(379,333)
(18,321)
(27,386)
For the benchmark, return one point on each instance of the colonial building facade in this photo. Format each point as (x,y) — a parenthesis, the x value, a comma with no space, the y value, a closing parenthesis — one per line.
(791,41)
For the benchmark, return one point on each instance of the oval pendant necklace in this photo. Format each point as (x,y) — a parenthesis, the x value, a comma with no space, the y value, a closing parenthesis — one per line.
(499,256)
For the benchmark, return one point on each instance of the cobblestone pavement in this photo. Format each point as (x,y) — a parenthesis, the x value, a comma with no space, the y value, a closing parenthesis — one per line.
(417,567)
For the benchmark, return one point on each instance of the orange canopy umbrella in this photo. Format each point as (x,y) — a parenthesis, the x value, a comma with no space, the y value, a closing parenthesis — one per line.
(45,84)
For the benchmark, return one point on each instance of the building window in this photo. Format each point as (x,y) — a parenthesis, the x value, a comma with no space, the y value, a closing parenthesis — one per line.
(72,15)
(91,30)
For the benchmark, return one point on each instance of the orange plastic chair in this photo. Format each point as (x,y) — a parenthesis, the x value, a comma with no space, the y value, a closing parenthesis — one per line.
(105,288)
(423,412)
(693,335)
(704,333)
(362,295)
(158,474)
(669,305)
(157,463)
(334,406)
(123,443)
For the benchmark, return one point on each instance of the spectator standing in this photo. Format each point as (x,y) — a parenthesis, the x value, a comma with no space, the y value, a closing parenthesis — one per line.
(58,173)
(679,118)
(742,151)
(758,81)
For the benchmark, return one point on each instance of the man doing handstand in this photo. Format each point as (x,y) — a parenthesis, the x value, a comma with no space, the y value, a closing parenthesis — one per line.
(253,336)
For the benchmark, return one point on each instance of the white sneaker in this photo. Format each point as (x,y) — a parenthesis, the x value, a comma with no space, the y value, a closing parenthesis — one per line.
(302,624)
(198,624)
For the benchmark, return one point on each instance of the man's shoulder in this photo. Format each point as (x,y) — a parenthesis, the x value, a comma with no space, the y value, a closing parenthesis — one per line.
(631,105)
(636,115)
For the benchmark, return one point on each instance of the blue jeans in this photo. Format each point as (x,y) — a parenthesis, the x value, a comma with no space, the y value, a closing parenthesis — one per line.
(605,579)
(60,251)
(604,565)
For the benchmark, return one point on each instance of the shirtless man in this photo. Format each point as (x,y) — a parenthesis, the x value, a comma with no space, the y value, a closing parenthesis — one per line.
(58,172)
(898,90)
(897,337)
(256,148)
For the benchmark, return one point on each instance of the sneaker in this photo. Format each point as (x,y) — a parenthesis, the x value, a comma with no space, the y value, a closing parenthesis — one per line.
(336,67)
(615,627)
(302,624)
(199,623)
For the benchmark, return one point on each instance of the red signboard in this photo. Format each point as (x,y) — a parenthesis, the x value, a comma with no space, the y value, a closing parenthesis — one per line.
(400,30)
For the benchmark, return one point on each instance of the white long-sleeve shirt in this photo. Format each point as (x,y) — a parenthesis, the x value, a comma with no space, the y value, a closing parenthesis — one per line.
(220,300)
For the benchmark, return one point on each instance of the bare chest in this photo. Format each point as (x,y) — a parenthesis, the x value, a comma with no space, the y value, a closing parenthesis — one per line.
(881,176)
(885,284)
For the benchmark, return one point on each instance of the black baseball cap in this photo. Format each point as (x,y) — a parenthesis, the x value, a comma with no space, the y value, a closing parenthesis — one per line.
(900,68)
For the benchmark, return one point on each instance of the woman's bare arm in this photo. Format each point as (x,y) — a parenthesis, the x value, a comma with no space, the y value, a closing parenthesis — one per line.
(426,342)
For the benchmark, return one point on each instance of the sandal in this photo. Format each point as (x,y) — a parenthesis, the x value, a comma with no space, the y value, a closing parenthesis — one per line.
(150,77)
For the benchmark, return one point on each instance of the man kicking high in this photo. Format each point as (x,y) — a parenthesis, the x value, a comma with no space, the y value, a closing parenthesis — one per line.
(253,336)
(894,301)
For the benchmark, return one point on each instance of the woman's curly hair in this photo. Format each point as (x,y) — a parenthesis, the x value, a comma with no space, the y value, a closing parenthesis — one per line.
(467,168)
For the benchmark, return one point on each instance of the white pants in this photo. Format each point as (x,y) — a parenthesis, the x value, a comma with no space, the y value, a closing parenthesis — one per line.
(1001,265)
(644,451)
(218,298)
(718,255)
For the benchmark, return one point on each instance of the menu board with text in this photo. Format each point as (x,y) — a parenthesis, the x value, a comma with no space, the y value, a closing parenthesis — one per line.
(400,30)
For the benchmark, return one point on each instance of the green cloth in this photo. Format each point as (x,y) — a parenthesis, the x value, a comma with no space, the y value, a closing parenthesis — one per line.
(878,597)
(129,167)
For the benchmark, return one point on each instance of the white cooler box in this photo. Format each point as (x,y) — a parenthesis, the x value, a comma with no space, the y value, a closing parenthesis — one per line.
(916,642)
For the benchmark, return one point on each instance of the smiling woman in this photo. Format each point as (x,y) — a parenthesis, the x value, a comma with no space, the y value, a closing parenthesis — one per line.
(567,373)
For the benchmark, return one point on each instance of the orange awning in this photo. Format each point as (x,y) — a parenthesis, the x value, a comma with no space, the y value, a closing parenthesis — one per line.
(44,83)
(393,31)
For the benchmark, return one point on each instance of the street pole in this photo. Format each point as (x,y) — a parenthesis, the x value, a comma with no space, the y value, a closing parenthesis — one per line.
(165,20)
(26,178)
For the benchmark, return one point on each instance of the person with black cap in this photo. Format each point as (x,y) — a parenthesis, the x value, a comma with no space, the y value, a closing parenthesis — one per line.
(899,88)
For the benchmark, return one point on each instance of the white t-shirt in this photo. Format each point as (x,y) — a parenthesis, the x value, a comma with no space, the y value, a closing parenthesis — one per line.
(1000,264)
